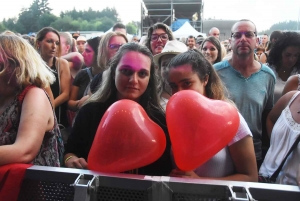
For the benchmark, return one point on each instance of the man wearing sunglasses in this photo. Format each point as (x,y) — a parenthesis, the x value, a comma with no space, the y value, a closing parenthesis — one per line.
(250,83)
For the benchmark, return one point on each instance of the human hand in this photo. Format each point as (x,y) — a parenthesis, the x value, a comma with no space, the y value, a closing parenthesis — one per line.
(75,162)
(82,100)
(183,174)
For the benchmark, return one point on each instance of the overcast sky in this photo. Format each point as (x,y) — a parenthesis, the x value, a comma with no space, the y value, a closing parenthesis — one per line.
(264,13)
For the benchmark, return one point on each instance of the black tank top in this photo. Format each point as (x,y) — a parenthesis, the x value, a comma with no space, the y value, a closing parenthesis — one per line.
(62,119)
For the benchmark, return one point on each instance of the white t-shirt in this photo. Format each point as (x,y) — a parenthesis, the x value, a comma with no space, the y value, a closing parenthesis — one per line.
(221,164)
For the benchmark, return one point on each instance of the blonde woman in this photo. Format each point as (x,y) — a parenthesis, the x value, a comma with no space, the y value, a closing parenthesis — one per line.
(109,45)
(28,128)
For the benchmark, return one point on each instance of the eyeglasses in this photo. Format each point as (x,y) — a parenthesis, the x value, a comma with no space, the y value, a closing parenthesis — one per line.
(163,37)
(115,46)
(238,35)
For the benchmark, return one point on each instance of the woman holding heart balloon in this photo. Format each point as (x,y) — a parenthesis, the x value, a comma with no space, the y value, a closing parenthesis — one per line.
(236,161)
(131,76)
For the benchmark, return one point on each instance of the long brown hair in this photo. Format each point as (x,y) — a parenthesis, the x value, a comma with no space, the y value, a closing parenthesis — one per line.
(214,88)
(108,89)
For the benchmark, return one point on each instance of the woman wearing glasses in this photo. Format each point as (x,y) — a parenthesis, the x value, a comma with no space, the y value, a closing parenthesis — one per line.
(108,47)
(158,35)
(131,76)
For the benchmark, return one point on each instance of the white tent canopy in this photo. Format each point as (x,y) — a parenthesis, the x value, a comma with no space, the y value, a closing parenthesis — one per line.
(186,30)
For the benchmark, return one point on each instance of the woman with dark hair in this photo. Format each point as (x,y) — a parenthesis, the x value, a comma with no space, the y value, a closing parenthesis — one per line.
(284,60)
(158,35)
(48,44)
(84,77)
(211,49)
(131,75)
(191,71)
(275,35)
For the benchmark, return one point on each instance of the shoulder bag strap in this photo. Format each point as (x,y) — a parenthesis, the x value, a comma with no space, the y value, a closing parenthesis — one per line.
(276,173)
(88,70)
(58,75)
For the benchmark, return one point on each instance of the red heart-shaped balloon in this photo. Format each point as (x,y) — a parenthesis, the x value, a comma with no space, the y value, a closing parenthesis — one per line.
(199,127)
(126,139)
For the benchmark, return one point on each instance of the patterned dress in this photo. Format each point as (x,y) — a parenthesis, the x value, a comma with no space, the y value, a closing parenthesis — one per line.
(52,148)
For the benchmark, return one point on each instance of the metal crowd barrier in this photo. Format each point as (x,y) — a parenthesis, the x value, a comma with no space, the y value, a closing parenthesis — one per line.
(48,183)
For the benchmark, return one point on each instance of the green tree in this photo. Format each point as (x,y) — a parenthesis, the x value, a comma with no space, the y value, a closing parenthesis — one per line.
(97,25)
(106,24)
(283,26)
(65,24)
(44,7)
(91,14)
(131,28)
(110,13)
(46,20)
(29,17)
(10,23)
(27,22)
(39,15)
(2,27)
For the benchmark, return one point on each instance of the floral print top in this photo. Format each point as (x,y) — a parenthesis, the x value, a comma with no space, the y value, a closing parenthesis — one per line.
(52,148)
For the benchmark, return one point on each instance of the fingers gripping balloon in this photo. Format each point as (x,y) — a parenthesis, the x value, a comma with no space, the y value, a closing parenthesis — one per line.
(126,139)
(199,127)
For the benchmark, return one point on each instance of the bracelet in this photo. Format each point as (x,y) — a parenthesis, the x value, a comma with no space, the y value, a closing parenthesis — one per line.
(68,158)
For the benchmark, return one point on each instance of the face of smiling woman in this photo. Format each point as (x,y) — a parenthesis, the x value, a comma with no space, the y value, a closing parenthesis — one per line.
(159,42)
(210,52)
(132,75)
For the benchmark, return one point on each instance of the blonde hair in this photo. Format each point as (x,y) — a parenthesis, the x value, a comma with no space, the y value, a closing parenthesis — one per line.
(68,40)
(102,57)
(16,52)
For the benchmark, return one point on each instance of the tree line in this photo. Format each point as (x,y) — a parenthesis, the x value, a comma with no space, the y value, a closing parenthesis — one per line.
(39,15)
(283,26)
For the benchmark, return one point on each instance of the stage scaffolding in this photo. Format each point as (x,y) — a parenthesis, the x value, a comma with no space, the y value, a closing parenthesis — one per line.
(168,11)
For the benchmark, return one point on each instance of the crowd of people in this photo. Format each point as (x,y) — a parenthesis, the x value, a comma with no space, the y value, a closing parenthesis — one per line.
(55,90)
